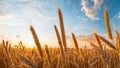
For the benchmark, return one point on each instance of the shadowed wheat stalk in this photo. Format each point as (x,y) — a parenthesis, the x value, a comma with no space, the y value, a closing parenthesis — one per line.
(48,55)
(36,40)
(62,29)
(75,42)
(107,24)
(98,40)
(59,40)
(99,50)
(107,42)
(26,61)
(7,52)
(117,39)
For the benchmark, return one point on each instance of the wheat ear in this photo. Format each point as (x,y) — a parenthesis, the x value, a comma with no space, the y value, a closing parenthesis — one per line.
(99,50)
(62,29)
(117,39)
(107,42)
(26,61)
(107,24)
(36,40)
(75,42)
(98,40)
(59,40)
(7,52)
(48,55)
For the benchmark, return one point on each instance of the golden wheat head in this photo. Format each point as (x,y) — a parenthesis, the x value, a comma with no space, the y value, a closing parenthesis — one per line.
(75,42)
(107,24)
(36,40)
(59,40)
(62,29)
(98,40)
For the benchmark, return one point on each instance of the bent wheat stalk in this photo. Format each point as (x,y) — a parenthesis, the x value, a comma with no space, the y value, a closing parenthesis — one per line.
(99,50)
(26,61)
(107,42)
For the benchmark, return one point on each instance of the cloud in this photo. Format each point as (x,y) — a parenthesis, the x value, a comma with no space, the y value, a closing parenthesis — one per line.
(44,16)
(87,37)
(82,18)
(11,24)
(91,11)
(6,16)
(83,40)
(23,0)
(119,15)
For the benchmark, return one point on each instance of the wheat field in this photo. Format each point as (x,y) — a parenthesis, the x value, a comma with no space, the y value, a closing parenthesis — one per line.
(105,53)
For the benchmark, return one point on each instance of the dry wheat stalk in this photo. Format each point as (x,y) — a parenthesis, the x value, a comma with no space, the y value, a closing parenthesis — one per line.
(62,29)
(107,24)
(59,40)
(99,50)
(117,39)
(36,40)
(7,52)
(98,40)
(75,42)
(26,61)
(48,55)
(107,42)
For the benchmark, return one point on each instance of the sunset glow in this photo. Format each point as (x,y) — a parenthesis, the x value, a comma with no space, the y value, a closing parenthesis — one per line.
(81,17)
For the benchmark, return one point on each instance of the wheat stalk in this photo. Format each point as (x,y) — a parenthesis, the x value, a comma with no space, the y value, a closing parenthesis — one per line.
(107,42)
(36,40)
(99,50)
(59,40)
(48,55)
(75,42)
(62,29)
(107,24)
(7,52)
(117,39)
(98,40)
(26,61)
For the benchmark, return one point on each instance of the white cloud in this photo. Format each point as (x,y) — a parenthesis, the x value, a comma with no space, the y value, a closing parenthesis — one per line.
(119,15)
(91,11)
(83,40)
(44,16)
(23,0)
(87,37)
(82,18)
(6,16)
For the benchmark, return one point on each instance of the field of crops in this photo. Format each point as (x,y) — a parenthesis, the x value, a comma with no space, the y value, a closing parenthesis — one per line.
(105,53)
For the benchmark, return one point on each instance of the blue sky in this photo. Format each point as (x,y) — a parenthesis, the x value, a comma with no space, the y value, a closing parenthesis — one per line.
(82,17)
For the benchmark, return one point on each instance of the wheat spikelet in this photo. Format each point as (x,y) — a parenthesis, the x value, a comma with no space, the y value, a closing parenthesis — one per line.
(48,55)
(26,61)
(98,41)
(62,29)
(7,52)
(107,42)
(36,40)
(9,48)
(99,50)
(75,42)
(59,40)
(107,24)
(117,39)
